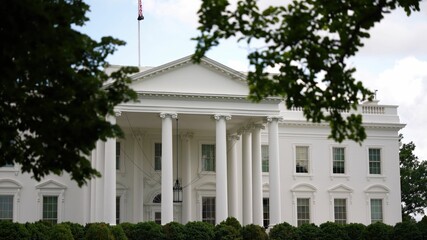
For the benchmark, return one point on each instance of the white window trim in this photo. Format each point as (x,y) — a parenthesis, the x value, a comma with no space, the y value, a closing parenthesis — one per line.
(51,188)
(121,169)
(121,191)
(376,191)
(12,187)
(309,174)
(303,190)
(153,155)
(344,175)
(265,173)
(343,192)
(375,176)
(205,190)
(201,171)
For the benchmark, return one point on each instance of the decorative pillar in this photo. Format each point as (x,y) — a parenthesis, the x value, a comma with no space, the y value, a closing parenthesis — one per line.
(274,166)
(232,176)
(247,177)
(167,168)
(110,177)
(257,207)
(186,177)
(221,167)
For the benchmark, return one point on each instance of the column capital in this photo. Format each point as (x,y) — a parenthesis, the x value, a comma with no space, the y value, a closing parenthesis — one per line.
(274,118)
(219,116)
(187,135)
(117,113)
(171,115)
(257,126)
(233,137)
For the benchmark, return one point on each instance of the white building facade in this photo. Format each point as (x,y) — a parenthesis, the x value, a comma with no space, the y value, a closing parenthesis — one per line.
(258,162)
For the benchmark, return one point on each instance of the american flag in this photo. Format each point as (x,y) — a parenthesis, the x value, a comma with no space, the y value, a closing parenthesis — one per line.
(140,16)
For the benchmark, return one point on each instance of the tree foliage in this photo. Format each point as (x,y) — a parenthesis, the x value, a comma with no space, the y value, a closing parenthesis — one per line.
(309,41)
(53,99)
(413,181)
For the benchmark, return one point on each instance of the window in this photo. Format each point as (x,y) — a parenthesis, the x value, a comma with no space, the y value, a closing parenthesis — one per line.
(376,210)
(303,211)
(118,153)
(338,160)
(50,209)
(374,161)
(208,157)
(301,159)
(157,156)
(208,210)
(118,210)
(6,207)
(158,217)
(266,211)
(340,210)
(264,158)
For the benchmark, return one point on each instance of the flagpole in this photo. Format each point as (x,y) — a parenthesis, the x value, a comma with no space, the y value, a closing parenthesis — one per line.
(139,45)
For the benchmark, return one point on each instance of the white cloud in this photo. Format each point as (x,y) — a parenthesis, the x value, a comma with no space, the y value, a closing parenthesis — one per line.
(405,85)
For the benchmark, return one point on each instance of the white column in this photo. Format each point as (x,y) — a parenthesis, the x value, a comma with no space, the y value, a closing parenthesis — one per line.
(167,168)
(232,176)
(98,200)
(110,178)
(221,167)
(257,175)
(247,178)
(138,178)
(186,177)
(274,166)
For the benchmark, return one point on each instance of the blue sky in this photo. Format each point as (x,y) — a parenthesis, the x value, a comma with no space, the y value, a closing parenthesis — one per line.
(393,61)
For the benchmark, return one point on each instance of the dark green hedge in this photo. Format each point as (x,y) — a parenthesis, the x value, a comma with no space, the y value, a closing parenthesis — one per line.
(229,229)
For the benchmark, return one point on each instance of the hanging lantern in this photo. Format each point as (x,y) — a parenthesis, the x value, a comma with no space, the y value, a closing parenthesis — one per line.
(177,191)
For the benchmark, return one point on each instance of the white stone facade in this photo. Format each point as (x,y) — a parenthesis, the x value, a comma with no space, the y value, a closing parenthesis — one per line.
(194,123)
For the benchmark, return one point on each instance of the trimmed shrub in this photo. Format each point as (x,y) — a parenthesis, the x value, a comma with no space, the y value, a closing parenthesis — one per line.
(283,231)
(378,231)
(77,230)
(128,229)
(308,231)
(254,232)
(147,230)
(61,231)
(174,230)
(98,231)
(332,231)
(354,230)
(199,231)
(405,231)
(233,222)
(118,232)
(226,232)
(422,226)
(39,230)
(13,231)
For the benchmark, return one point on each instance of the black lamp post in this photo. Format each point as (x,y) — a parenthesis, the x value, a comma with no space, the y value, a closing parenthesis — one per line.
(177,188)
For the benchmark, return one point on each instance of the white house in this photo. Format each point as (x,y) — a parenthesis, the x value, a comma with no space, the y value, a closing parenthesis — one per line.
(258,162)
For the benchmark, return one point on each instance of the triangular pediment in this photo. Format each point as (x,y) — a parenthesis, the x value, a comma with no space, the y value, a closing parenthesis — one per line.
(183,76)
(341,188)
(51,184)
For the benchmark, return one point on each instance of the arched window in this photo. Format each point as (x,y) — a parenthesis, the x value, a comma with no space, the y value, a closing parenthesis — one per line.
(157,198)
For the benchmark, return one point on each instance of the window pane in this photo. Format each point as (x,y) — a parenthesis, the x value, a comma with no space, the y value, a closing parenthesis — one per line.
(266,211)
(340,210)
(301,157)
(117,209)
(50,209)
(374,161)
(157,156)
(303,211)
(208,210)
(376,210)
(118,155)
(208,157)
(264,156)
(338,160)
(6,207)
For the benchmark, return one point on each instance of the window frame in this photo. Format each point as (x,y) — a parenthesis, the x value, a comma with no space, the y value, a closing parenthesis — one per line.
(346,210)
(381,153)
(10,208)
(51,188)
(310,169)
(382,210)
(120,154)
(309,211)
(214,209)
(265,162)
(303,190)
(43,208)
(344,160)
(201,165)
(154,145)
(12,187)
